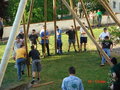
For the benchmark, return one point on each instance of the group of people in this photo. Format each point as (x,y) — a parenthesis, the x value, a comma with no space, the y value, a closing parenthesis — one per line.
(71,82)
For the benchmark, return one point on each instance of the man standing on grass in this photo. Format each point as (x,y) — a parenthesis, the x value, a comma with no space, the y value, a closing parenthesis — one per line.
(99,17)
(45,39)
(33,38)
(104,34)
(71,36)
(83,38)
(36,66)
(72,82)
(20,61)
(59,40)
(107,46)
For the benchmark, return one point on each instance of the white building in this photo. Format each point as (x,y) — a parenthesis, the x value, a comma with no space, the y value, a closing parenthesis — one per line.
(115,5)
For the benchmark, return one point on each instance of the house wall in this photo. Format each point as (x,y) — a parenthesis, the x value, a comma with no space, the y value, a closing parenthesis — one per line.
(115,5)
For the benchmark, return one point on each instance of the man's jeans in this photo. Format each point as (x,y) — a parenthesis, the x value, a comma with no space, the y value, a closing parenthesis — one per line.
(20,66)
(107,51)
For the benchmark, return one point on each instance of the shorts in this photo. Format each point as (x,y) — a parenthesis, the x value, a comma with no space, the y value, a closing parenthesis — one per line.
(83,40)
(36,66)
(71,41)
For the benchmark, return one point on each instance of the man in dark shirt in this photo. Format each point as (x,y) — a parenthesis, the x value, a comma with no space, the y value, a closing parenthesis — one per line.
(33,38)
(107,45)
(21,34)
(36,66)
(71,36)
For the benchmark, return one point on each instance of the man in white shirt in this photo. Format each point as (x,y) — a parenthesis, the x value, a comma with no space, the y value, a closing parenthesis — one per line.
(83,38)
(104,34)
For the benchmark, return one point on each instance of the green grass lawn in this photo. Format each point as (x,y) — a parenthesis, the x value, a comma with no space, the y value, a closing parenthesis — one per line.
(55,68)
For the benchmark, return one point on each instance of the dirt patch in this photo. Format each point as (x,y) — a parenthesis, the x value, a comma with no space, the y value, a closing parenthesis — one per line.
(21,87)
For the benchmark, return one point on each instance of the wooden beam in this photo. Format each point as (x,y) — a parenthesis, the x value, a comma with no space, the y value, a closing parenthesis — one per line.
(43,84)
(72,7)
(86,16)
(30,15)
(45,25)
(54,17)
(91,37)
(26,46)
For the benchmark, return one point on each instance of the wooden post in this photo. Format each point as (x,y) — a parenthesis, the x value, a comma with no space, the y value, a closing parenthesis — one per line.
(26,46)
(45,26)
(107,7)
(72,7)
(86,16)
(30,15)
(91,37)
(8,49)
(54,17)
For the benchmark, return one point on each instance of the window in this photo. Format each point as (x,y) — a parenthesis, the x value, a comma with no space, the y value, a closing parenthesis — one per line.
(114,5)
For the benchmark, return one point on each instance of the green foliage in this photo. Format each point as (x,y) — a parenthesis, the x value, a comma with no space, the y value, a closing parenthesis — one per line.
(115,34)
(38,10)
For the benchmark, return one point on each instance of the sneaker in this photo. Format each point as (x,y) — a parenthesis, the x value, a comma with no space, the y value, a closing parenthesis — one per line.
(102,65)
(33,81)
(22,72)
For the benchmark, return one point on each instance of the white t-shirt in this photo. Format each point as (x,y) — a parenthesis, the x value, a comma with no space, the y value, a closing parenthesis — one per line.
(82,31)
(103,35)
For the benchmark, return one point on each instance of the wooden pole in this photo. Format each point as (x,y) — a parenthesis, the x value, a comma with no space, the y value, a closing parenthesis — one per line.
(86,16)
(45,26)
(54,17)
(30,15)
(42,84)
(91,37)
(72,7)
(15,28)
(26,46)
(107,7)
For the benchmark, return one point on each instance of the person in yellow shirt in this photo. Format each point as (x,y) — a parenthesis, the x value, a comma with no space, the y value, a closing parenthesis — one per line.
(20,60)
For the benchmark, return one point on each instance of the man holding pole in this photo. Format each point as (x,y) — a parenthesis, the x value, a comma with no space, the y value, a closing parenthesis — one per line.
(44,39)
(59,41)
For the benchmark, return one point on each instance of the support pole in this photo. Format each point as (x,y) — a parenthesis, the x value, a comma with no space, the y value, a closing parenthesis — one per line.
(86,16)
(30,15)
(45,20)
(15,28)
(72,7)
(109,10)
(54,17)
(91,37)
(26,46)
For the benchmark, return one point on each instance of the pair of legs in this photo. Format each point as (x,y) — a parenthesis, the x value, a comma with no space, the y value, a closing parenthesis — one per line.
(107,51)
(33,43)
(72,42)
(99,21)
(20,67)
(47,46)
(36,68)
(59,46)
(83,40)
(1,34)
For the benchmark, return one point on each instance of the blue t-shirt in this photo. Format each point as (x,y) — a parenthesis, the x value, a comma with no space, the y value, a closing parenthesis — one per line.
(42,34)
(72,83)
(60,32)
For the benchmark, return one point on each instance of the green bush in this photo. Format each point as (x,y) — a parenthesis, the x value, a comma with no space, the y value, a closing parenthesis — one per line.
(115,34)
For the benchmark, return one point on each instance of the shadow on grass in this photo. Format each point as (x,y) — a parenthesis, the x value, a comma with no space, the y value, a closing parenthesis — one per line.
(55,68)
